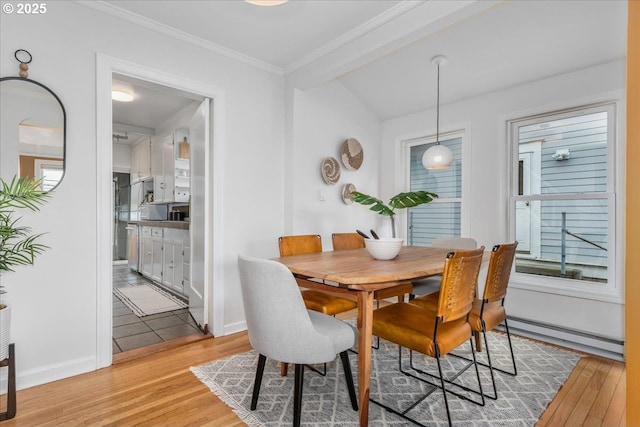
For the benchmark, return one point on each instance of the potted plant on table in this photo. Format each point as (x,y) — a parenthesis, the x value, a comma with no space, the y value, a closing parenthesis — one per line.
(18,246)
(402,200)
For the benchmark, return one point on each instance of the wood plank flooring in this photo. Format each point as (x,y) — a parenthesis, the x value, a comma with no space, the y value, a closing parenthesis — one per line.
(159,390)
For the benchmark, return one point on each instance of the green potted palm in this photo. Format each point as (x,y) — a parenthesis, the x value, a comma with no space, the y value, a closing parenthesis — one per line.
(408,199)
(18,246)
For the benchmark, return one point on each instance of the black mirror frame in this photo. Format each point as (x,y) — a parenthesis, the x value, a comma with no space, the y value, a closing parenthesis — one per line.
(64,121)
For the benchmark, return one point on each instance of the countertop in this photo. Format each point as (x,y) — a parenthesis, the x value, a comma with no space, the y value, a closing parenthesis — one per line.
(182,225)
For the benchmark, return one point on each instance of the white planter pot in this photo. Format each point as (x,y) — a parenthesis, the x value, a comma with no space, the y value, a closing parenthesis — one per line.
(5,326)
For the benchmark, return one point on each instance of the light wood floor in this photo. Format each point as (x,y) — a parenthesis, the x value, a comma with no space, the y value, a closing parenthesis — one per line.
(159,390)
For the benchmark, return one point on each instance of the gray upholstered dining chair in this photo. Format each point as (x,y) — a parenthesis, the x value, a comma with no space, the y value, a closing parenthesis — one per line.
(431,284)
(282,328)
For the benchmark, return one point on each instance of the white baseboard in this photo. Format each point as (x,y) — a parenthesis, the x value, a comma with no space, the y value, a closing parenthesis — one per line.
(234,328)
(49,374)
(578,340)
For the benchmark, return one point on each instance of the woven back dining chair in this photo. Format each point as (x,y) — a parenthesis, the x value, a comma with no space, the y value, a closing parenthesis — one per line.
(435,334)
(431,284)
(488,312)
(281,328)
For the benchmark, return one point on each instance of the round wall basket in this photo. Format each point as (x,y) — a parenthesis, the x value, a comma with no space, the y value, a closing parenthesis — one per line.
(330,170)
(347,197)
(352,154)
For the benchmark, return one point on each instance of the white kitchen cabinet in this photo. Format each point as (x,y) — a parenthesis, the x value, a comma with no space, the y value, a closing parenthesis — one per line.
(170,172)
(175,241)
(146,249)
(161,157)
(141,160)
(157,254)
(186,265)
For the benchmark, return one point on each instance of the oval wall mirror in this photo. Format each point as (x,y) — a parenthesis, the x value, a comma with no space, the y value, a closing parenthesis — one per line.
(32,131)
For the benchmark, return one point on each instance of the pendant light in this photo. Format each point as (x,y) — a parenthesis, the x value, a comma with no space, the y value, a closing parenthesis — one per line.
(437,156)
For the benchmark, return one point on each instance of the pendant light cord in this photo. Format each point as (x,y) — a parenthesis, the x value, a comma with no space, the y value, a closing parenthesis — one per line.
(438,108)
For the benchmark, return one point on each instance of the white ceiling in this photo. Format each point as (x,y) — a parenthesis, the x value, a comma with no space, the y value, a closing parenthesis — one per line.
(381,50)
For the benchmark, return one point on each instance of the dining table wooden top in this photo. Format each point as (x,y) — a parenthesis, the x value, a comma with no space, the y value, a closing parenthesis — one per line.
(356,269)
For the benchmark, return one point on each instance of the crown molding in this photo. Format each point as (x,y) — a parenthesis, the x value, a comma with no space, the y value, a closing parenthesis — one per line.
(141,21)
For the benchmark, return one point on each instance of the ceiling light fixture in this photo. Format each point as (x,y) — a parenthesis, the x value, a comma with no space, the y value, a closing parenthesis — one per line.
(437,156)
(122,92)
(266,2)
(120,95)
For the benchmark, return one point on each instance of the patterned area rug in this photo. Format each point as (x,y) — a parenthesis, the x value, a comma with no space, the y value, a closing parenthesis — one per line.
(542,370)
(145,300)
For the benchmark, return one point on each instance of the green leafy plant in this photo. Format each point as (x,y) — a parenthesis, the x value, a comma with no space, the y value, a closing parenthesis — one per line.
(399,201)
(18,246)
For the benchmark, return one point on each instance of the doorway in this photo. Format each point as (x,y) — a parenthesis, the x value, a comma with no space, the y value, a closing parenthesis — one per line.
(152,139)
(212,270)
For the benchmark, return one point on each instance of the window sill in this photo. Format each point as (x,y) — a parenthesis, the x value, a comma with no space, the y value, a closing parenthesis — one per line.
(558,287)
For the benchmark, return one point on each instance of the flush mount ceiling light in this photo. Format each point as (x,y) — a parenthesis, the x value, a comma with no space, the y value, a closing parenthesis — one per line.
(438,156)
(266,2)
(122,96)
(121,91)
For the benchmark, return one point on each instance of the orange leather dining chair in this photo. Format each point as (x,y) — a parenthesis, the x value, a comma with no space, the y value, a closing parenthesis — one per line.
(314,299)
(431,284)
(489,312)
(436,333)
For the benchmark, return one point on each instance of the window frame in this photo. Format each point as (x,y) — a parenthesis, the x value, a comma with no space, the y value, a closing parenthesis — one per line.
(408,143)
(612,291)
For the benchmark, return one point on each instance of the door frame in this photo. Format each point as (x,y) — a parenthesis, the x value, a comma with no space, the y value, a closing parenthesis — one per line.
(105,67)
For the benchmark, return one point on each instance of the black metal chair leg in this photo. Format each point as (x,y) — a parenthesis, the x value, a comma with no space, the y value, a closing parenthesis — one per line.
(444,390)
(493,379)
(475,363)
(256,385)
(513,358)
(346,366)
(297,394)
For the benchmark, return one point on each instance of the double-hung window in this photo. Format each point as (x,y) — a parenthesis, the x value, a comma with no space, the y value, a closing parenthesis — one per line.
(442,216)
(562,201)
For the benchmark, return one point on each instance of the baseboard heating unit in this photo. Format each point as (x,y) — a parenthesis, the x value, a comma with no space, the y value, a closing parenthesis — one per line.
(578,340)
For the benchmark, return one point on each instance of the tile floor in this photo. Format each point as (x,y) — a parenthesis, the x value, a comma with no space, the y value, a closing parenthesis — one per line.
(131,332)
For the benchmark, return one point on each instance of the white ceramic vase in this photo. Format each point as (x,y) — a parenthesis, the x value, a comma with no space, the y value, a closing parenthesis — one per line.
(386,226)
(5,326)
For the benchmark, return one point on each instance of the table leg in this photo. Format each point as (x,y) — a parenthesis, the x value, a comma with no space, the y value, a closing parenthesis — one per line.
(365,327)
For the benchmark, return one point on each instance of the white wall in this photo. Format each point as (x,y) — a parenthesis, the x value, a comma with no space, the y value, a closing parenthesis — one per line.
(54,303)
(485,165)
(324,117)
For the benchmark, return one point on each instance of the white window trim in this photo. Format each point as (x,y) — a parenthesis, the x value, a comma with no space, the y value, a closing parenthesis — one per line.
(614,291)
(406,143)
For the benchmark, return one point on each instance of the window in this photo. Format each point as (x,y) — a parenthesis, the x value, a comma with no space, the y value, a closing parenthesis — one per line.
(50,171)
(562,200)
(441,217)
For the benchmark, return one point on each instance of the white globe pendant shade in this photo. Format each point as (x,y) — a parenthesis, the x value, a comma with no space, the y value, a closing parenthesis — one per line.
(437,157)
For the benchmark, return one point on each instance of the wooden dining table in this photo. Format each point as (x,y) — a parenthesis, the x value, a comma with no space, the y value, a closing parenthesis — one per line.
(355,274)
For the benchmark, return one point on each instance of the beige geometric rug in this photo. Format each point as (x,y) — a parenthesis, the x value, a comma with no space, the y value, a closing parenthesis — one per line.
(542,369)
(146,299)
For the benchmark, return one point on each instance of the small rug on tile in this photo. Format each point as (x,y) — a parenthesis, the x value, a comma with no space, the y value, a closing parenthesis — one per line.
(542,369)
(145,300)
